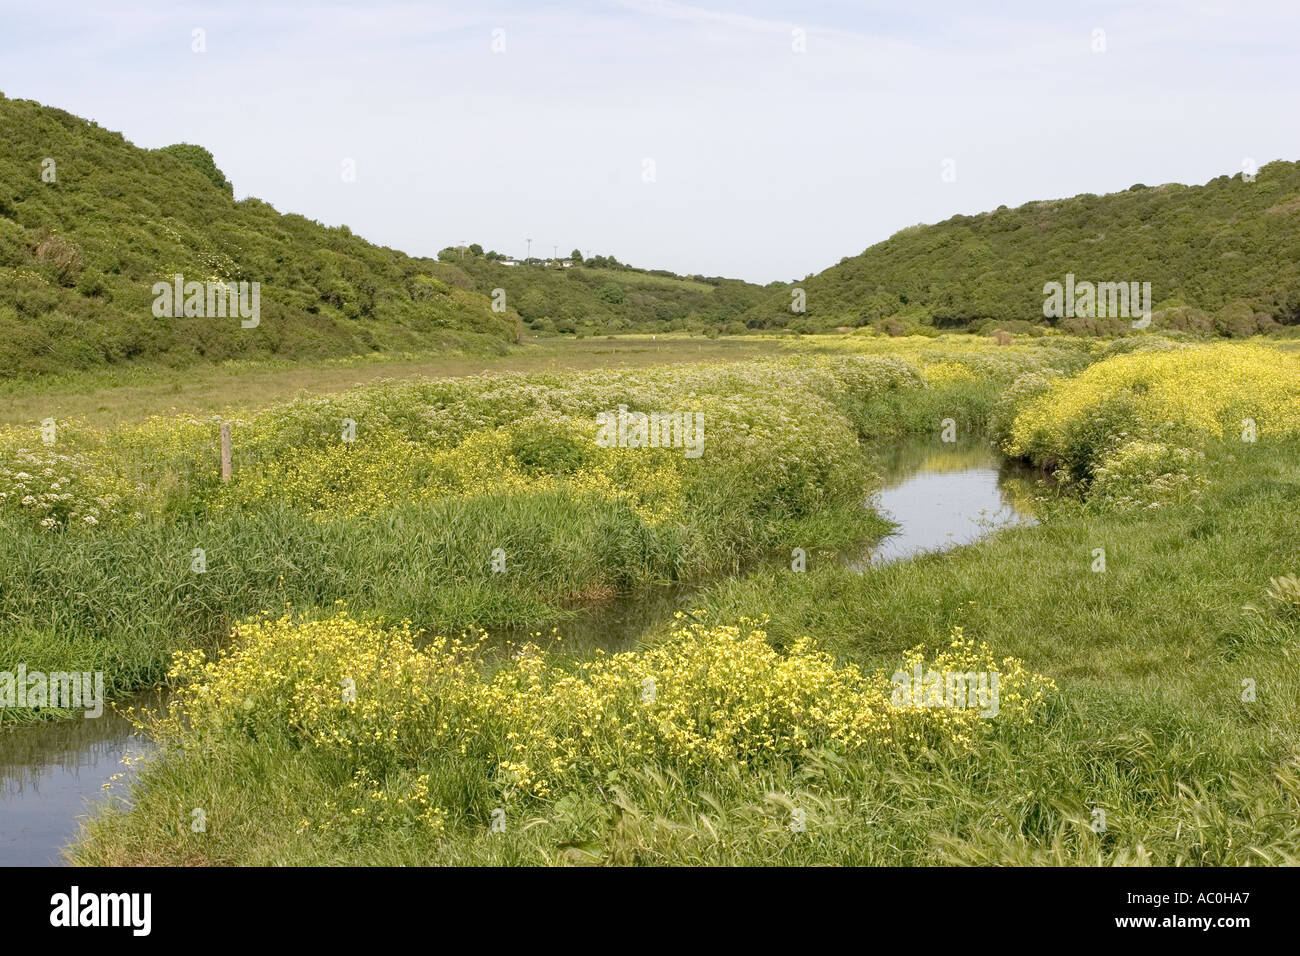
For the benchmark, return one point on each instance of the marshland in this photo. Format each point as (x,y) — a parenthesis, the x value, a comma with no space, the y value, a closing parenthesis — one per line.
(386,654)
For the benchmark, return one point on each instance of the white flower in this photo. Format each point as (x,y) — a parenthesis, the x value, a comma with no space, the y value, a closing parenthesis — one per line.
(90,519)
(29,500)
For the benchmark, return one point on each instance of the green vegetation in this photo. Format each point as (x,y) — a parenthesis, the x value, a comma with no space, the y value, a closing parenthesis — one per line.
(399,536)
(119,394)
(403,517)
(88,223)
(1223,258)
(601,295)
(766,739)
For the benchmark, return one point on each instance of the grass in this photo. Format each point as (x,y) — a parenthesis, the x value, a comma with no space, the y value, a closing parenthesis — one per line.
(621,277)
(406,520)
(1150,723)
(132,393)
(121,602)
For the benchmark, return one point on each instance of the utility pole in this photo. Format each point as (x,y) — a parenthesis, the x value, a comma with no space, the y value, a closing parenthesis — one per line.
(530,250)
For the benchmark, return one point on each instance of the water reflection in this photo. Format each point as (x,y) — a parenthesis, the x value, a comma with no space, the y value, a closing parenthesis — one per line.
(946,495)
(614,625)
(51,771)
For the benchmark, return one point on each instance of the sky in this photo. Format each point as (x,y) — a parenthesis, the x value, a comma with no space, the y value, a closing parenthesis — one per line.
(759,140)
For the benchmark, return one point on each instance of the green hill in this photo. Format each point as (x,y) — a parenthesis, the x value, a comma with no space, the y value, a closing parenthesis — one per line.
(602,295)
(1223,257)
(89,222)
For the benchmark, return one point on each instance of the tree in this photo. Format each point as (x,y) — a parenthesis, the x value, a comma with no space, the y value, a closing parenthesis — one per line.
(576,255)
(202,160)
(533,305)
(475,249)
(612,293)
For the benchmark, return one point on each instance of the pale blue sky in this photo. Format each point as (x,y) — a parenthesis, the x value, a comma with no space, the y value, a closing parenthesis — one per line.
(769,164)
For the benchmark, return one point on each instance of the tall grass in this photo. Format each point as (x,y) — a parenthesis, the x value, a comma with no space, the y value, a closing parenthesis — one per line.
(1149,724)
(480,502)
(1153,750)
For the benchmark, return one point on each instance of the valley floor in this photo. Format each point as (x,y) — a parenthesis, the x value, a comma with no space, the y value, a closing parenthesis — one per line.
(1145,629)
(130,393)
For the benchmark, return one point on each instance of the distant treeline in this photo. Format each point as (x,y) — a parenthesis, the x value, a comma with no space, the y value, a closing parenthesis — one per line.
(600,295)
(1221,259)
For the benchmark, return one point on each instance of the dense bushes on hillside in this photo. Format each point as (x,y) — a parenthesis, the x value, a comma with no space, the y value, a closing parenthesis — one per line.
(1223,258)
(89,222)
(601,295)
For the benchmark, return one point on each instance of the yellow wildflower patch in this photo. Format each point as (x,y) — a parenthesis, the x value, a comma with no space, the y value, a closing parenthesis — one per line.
(707,696)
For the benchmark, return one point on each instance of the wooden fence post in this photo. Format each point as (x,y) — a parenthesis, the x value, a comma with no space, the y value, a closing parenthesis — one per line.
(225,451)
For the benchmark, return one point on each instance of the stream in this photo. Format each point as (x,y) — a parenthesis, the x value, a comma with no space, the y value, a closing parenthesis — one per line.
(941,496)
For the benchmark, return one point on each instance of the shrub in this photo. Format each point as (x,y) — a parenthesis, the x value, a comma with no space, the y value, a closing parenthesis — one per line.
(1182,319)
(1152,411)
(58,491)
(707,697)
(200,159)
(62,257)
(1146,474)
(612,292)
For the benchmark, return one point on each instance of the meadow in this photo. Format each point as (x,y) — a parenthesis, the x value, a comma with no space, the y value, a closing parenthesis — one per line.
(131,393)
(344,691)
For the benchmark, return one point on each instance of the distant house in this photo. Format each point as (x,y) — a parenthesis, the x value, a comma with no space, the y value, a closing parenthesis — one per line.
(510,262)
(566,263)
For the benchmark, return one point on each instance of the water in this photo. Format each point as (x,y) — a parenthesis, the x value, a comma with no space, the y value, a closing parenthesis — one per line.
(946,495)
(940,495)
(50,773)
(614,625)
